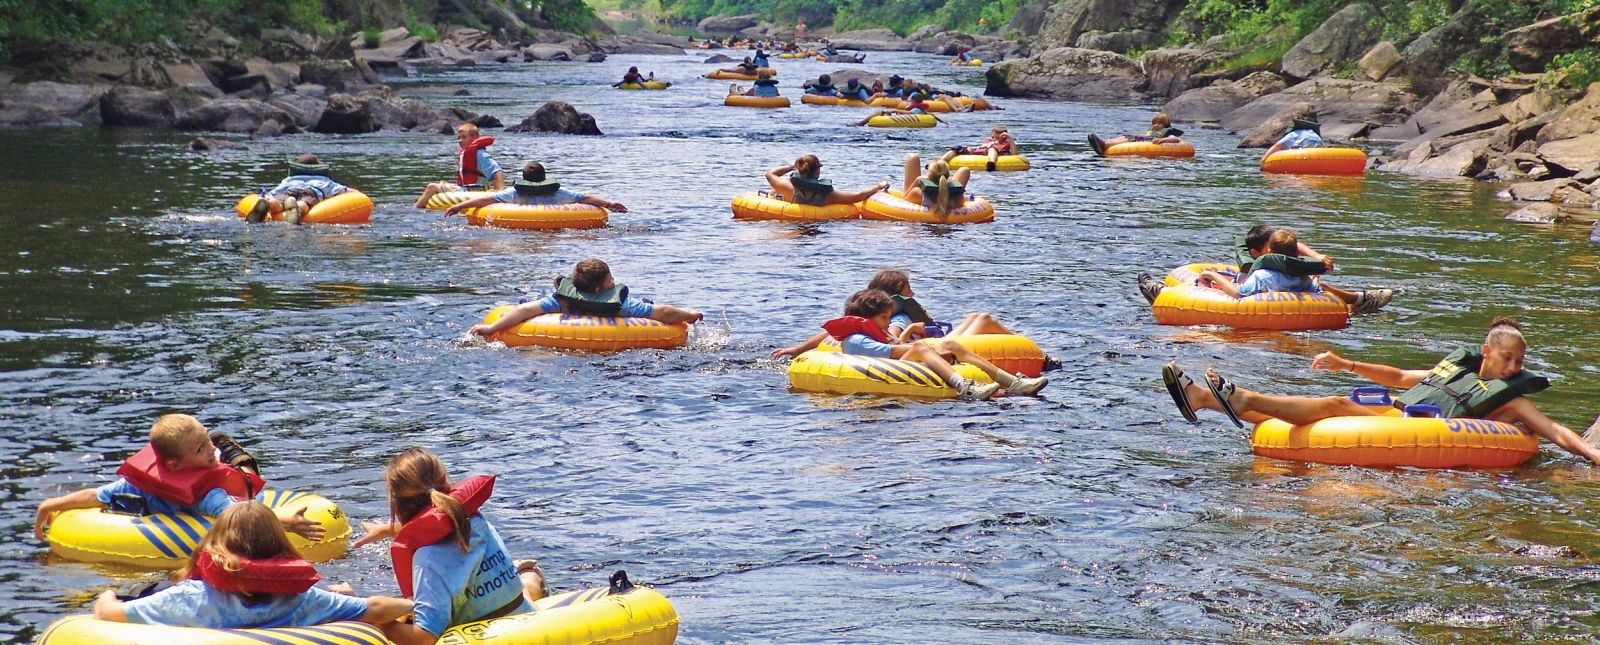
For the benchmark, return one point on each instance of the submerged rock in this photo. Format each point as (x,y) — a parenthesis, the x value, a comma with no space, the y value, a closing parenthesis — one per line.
(558,116)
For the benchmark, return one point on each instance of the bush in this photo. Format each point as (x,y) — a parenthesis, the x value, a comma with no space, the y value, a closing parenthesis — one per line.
(1575,70)
(372,36)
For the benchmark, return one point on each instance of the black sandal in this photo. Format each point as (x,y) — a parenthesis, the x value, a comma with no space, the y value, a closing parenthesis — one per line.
(1176,380)
(1221,389)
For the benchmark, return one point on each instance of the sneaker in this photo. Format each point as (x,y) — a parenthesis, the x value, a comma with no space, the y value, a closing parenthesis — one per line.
(970,391)
(991,166)
(1371,300)
(234,454)
(258,212)
(1098,145)
(1025,385)
(1150,287)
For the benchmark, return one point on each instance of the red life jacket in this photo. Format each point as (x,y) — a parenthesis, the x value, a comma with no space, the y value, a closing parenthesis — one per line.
(186,487)
(285,575)
(842,328)
(1002,147)
(432,526)
(468,174)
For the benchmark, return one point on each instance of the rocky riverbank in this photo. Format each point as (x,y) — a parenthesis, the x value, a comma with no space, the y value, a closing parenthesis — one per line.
(290,82)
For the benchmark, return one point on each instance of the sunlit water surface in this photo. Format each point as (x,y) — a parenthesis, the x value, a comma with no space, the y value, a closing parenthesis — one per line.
(128,289)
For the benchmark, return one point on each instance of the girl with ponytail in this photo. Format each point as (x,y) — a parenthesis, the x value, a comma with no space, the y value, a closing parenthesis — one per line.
(447,557)
(801,183)
(939,189)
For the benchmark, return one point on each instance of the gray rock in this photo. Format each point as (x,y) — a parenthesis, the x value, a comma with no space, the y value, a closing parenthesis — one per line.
(1168,70)
(1464,121)
(1531,48)
(1380,61)
(1572,154)
(1345,131)
(1066,20)
(245,82)
(269,128)
(1542,213)
(1120,42)
(1029,18)
(1578,119)
(335,75)
(279,75)
(185,98)
(1463,160)
(1432,53)
(1069,73)
(189,75)
(311,89)
(1457,99)
(1214,101)
(1336,101)
(626,46)
(872,40)
(202,144)
(558,116)
(998,51)
(1537,191)
(1274,127)
(946,44)
(131,106)
(1342,36)
(726,24)
(926,31)
(305,110)
(1532,104)
(1402,132)
(547,52)
(346,114)
(47,103)
(719,59)
(231,115)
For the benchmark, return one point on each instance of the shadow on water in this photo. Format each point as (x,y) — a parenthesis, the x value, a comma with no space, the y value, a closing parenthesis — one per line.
(1092,514)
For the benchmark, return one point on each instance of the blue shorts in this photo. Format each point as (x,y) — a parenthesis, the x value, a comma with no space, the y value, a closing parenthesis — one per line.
(864,345)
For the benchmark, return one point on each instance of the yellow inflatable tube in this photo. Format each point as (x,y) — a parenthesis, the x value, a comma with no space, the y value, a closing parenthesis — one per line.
(349,207)
(971,63)
(722,75)
(756,206)
(1011,352)
(166,541)
(1316,161)
(903,121)
(647,85)
(818,99)
(1184,302)
(1006,163)
(530,218)
(1392,440)
(593,333)
(740,100)
(1181,150)
(838,373)
(441,201)
(889,206)
(589,617)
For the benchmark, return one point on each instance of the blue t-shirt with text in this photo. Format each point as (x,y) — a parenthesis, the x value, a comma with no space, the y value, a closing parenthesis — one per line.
(455,588)
(193,603)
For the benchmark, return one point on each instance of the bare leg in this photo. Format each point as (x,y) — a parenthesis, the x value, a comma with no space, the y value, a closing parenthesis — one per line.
(922,353)
(1004,378)
(532,577)
(433,188)
(1349,297)
(978,323)
(947,156)
(913,171)
(1256,407)
(994,155)
(961,175)
(1112,142)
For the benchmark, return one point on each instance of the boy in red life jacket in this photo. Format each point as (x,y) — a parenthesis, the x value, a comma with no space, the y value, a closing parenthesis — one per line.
(178,473)
(475,169)
(246,574)
(863,332)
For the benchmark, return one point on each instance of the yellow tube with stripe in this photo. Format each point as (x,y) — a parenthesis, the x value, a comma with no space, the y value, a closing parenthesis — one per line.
(838,373)
(165,541)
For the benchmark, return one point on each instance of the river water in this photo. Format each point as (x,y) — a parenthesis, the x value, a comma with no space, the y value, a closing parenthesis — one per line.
(128,289)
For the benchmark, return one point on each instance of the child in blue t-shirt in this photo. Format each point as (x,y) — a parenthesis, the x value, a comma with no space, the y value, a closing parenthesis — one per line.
(307,184)
(245,574)
(1264,280)
(1303,133)
(180,442)
(591,279)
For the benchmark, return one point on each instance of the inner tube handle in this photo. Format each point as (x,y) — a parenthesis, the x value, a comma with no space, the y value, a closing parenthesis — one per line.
(938,329)
(1372,395)
(619,583)
(1425,410)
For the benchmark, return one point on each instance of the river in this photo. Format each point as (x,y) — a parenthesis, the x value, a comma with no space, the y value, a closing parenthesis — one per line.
(1092,514)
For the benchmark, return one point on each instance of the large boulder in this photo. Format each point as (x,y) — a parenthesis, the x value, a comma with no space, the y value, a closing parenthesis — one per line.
(1544,213)
(1029,18)
(872,40)
(558,116)
(1572,154)
(50,103)
(1214,101)
(1580,118)
(1435,51)
(389,56)
(1277,125)
(279,76)
(1168,70)
(346,114)
(1069,73)
(132,106)
(1120,42)
(1530,48)
(1463,160)
(335,75)
(944,43)
(231,115)
(1065,21)
(305,109)
(1336,100)
(1477,113)
(727,24)
(541,51)
(1380,61)
(1343,36)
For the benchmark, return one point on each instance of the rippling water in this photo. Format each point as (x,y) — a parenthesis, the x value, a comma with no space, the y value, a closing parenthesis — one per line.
(128,288)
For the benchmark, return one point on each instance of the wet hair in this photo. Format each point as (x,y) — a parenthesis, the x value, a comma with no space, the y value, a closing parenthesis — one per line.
(1284,241)
(918,96)
(867,303)
(533,171)
(1161,120)
(307,159)
(890,281)
(418,481)
(1256,238)
(808,166)
(590,275)
(170,435)
(763,74)
(246,530)
(825,79)
(1502,329)
(940,171)
(633,70)
(998,130)
(469,129)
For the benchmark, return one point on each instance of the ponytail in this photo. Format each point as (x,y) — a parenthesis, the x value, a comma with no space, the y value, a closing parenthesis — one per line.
(457,514)
(941,206)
